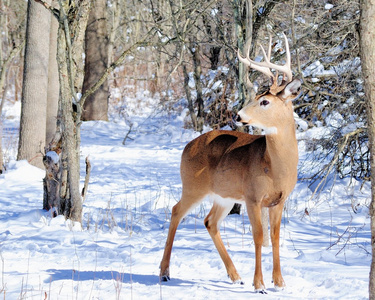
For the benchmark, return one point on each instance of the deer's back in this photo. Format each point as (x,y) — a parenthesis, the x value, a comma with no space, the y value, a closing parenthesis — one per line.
(210,158)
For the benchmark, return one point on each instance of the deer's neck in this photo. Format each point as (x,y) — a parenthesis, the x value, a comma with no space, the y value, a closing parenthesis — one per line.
(282,151)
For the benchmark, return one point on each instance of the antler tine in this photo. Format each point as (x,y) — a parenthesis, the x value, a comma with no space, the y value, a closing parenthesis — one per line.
(250,63)
(287,65)
(270,48)
(286,68)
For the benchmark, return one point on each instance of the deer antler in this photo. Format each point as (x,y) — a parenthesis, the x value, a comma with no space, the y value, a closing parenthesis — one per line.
(266,66)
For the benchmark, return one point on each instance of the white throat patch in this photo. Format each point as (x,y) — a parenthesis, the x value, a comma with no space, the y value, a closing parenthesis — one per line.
(267,130)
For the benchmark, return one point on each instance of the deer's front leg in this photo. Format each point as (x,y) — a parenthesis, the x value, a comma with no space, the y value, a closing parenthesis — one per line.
(255,216)
(275,214)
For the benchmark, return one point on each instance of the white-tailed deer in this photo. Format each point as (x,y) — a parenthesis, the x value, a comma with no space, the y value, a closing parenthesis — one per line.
(234,167)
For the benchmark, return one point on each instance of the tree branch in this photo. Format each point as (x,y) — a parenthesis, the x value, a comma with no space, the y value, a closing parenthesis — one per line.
(112,67)
(328,168)
(63,19)
(55,12)
(4,67)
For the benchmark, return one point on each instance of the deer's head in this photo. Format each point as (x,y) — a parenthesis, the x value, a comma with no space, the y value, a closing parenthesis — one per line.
(273,108)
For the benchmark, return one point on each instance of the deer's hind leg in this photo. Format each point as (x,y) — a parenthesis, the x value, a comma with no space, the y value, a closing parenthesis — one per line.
(182,208)
(212,223)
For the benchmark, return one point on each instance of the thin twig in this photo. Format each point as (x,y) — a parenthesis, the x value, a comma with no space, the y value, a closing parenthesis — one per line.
(4,68)
(328,168)
(126,136)
(87,179)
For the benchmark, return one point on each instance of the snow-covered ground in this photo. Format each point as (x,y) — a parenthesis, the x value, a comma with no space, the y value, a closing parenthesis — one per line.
(116,255)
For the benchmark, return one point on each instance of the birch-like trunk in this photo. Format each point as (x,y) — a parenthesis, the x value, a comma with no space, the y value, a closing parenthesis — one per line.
(35,82)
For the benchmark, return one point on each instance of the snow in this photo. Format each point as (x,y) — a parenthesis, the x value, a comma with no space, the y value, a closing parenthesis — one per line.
(325,239)
(53,156)
(316,69)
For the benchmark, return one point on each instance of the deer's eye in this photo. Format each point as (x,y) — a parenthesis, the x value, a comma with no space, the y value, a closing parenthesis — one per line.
(264,103)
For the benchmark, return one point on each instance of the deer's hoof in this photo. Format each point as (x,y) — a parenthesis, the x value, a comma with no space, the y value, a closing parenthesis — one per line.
(164,278)
(261,291)
(239,281)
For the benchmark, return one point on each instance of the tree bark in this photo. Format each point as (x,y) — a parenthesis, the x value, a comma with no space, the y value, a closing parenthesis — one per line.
(198,85)
(35,83)
(51,183)
(53,82)
(70,146)
(70,73)
(188,97)
(367,52)
(244,32)
(65,198)
(214,49)
(96,50)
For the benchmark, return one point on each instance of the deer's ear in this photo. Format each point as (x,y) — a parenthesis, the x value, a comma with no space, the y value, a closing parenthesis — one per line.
(292,90)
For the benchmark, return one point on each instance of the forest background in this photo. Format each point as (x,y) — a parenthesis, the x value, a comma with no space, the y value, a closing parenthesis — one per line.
(187,52)
(184,54)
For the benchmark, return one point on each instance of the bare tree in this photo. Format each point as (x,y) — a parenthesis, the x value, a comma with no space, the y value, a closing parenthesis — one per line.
(53,80)
(4,65)
(35,83)
(62,160)
(243,17)
(193,33)
(12,24)
(367,43)
(96,51)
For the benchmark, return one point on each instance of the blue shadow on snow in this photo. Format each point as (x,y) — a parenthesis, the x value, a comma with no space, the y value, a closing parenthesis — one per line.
(70,274)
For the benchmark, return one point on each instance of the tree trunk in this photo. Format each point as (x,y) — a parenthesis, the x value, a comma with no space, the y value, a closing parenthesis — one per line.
(51,183)
(35,83)
(62,158)
(244,31)
(188,97)
(114,20)
(198,85)
(367,51)
(53,83)
(72,201)
(236,209)
(96,50)
(214,50)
